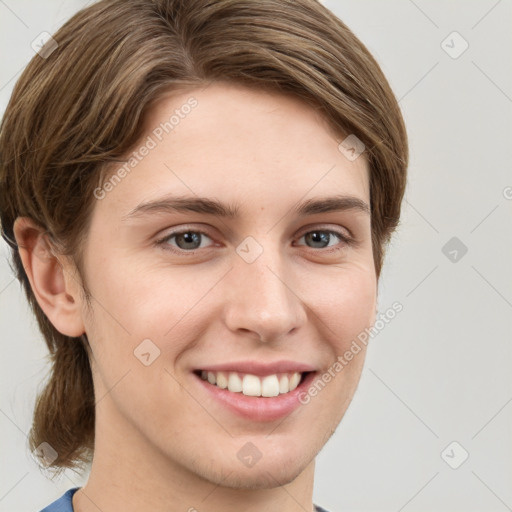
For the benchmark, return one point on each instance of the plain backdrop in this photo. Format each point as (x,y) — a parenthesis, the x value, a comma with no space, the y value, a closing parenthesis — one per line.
(430,426)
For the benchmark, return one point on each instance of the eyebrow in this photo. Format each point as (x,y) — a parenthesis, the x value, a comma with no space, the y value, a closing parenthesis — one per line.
(209,206)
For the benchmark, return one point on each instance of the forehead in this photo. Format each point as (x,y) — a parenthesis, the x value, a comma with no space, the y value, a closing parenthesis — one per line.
(241,144)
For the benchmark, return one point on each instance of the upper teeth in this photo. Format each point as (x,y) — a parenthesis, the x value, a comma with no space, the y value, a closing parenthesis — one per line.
(252,385)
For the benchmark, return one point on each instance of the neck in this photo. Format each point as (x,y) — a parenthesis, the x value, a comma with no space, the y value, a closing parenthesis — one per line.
(131,474)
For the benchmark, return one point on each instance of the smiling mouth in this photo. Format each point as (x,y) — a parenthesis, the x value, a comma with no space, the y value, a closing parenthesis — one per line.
(254,385)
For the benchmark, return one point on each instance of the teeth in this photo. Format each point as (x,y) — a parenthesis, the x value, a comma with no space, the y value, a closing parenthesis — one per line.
(234,383)
(252,385)
(294,381)
(284,384)
(222,380)
(270,386)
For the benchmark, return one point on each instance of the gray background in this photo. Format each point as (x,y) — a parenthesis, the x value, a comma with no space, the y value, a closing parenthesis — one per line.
(440,371)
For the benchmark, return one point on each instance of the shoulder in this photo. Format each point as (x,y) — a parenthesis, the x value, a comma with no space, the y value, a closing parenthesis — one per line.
(320,509)
(63,504)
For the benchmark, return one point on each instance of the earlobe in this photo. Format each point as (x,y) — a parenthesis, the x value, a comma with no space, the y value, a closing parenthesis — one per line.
(56,290)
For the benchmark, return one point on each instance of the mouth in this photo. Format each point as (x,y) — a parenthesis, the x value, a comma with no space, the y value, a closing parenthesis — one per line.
(255,390)
(248,384)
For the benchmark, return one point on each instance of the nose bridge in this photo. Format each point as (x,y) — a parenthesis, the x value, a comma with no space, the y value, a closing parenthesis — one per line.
(262,297)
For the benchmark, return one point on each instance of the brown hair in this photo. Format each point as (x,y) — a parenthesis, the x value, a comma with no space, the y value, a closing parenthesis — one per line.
(80,108)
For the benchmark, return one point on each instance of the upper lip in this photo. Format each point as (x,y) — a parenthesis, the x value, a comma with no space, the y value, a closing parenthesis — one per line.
(260,368)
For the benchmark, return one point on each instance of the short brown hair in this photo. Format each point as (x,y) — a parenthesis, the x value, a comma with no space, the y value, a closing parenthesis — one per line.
(80,108)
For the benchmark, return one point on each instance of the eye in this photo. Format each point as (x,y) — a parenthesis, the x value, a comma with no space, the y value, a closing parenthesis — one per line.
(190,240)
(186,240)
(321,238)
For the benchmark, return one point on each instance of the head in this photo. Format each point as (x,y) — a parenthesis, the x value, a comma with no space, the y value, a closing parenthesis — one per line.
(246,104)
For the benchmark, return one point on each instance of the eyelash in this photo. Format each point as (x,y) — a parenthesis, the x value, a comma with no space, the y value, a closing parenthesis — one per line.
(162,242)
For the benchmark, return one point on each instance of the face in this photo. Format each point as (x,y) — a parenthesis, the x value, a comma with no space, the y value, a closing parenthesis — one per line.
(247,300)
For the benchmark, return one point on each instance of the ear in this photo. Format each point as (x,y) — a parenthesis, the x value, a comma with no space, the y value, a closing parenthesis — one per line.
(54,284)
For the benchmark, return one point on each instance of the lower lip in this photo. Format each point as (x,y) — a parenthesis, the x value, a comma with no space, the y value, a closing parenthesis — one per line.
(258,408)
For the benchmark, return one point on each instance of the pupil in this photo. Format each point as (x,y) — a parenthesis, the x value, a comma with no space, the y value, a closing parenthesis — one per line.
(317,237)
(189,237)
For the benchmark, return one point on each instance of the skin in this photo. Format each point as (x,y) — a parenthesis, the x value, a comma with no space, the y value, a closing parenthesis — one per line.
(161,444)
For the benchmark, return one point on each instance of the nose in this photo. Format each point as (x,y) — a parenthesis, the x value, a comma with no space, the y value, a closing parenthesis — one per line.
(261,297)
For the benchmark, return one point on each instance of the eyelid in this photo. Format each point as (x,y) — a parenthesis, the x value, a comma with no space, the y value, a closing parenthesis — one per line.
(184,228)
(328,227)
(181,230)
(345,240)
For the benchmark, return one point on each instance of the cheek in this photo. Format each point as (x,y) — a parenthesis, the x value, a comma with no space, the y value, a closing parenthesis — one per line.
(134,302)
(121,313)
(345,303)
(344,308)
(359,301)
(130,294)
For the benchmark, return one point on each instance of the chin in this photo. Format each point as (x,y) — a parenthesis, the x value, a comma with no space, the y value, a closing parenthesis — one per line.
(264,474)
(264,477)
